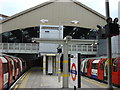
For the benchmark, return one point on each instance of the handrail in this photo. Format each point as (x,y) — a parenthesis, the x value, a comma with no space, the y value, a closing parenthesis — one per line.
(34,48)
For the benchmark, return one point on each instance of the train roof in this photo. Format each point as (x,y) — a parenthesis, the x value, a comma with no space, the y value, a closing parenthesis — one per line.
(3,59)
(96,61)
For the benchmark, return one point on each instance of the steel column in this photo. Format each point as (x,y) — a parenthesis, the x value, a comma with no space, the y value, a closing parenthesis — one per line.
(65,65)
(109,49)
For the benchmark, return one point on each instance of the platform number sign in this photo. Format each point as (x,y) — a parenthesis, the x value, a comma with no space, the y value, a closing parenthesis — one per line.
(74,70)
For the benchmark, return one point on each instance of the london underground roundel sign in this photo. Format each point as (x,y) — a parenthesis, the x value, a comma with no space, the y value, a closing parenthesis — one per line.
(73,72)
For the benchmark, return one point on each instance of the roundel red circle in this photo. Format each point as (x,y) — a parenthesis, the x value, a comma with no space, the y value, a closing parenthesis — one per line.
(72,74)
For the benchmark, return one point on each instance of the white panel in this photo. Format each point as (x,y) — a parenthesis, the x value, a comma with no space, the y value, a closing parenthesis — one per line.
(96,61)
(50,32)
(74,71)
(3,59)
(50,65)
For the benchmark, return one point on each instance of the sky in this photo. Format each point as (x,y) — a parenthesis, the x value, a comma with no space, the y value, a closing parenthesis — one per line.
(11,7)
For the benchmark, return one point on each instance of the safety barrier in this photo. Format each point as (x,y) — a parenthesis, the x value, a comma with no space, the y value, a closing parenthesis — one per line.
(19,48)
(34,48)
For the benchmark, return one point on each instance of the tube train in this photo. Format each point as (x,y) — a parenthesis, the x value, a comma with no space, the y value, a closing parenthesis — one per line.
(10,69)
(96,68)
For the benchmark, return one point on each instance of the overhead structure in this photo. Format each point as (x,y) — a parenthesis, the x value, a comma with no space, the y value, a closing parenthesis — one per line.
(57,12)
(65,42)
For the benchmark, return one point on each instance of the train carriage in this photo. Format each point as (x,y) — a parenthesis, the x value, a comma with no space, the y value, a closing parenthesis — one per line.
(116,71)
(10,69)
(97,68)
(3,73)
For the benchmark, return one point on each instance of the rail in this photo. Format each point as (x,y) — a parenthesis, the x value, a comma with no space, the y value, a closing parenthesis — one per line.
(19,47)
(34,48)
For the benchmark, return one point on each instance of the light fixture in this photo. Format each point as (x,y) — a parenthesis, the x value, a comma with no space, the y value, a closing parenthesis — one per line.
(75,22)
(44,21)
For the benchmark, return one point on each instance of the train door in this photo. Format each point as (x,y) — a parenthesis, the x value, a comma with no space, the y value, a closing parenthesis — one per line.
(106,70)
(10,69)
(23,64)
(82,67)
(116,71)
(85,66)
(13,68)
(20,65)
(95,69)
(89,67)
(1,75)
(101,66)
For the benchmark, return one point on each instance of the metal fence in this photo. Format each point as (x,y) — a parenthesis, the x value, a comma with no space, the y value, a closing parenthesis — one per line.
(19,47)
(34,48)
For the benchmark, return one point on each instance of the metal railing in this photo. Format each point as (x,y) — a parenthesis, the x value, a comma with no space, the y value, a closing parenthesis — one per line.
(19,48)
(34,48)
(83,49)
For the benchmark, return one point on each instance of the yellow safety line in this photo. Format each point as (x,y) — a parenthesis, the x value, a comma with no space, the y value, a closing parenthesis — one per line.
(57,68)
(59,72)
(23,76)
(23,84)
(57,61)
(96,83)
(65,75)
(44,68)
(16,87)
(65,61)
(44,61)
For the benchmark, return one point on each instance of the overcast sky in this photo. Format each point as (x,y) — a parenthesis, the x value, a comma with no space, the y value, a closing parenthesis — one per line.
(11,7)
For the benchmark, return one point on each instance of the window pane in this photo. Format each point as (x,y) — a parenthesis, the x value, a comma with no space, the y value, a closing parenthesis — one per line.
(5,68)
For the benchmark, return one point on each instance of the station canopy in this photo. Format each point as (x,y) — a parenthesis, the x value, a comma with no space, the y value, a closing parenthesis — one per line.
(57,12)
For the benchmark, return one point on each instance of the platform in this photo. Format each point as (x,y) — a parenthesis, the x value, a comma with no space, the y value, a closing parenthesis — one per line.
(34,78)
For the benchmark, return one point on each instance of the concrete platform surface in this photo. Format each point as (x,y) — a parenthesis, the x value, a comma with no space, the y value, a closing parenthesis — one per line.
(34,79)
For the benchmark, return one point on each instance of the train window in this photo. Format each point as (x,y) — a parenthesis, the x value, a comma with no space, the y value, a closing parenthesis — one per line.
(115,65)
(23,63)
(118,59)
(17,64)
(5,68)
(95,66)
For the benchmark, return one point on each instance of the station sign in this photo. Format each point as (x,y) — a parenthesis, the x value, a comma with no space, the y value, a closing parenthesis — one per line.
(74,70)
